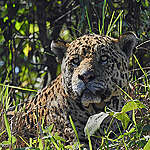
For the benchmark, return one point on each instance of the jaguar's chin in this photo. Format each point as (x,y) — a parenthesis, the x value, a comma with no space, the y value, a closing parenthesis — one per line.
(88,97)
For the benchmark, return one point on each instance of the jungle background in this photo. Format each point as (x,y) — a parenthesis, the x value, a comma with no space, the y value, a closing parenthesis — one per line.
(27,28)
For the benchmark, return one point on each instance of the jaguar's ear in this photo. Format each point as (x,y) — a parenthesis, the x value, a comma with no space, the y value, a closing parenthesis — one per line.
(59,48)
(127,42)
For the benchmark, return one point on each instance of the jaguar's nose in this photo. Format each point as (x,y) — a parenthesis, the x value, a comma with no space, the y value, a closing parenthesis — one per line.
(87,76)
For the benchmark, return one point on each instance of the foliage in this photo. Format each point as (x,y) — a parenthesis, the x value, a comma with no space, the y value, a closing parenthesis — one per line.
(26,61)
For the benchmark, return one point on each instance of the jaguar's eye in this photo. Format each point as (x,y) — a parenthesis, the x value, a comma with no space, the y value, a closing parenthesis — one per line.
(104,59)
(75,61)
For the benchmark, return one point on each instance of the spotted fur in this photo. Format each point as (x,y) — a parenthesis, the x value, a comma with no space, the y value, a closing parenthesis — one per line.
(93,67)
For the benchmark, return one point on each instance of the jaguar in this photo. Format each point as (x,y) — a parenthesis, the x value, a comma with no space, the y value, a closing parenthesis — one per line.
(93,69)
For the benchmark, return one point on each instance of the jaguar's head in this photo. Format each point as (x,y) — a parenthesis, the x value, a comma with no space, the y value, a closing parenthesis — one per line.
(93,66)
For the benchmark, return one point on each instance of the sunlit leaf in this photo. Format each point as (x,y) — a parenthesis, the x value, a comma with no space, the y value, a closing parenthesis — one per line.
(124,118)
(132,105)
(21,11)
(2,39)
(147,146)
(146,4)
(33,28)
(138,0)
(5,19)
(57,137)
(18,25)
(70,147)
(40,144)
(6,5)
(27,49)
(59,2)
(6,142)
(47,24)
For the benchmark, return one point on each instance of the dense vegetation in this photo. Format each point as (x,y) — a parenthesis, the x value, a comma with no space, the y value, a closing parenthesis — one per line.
(27,28)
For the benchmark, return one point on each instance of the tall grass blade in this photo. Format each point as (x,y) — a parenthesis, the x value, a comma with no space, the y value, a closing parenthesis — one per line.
(90,144)
(110,22)
(2,132)
(143,73)
(74,128)
(6,98)
(103,18)
(125,93)
(99,26)
(24,141)
(120,24)
(87,16)
(112,26)
(7,126)
(19,88)
(55,144)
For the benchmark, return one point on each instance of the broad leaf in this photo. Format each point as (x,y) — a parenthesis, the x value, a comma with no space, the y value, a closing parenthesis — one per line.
(124,118)
(132,105)
(147,146)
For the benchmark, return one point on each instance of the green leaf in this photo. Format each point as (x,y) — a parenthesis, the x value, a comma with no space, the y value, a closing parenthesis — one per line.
(132,130)
(124,118)
(132,105)
(146,3)
(5,19)
(70,147)
(2,39)
(40,144)
(147,146)
(33,28)
(27,49)
(21,11)
(50,127)
(7,126)
(57,137)
(18,25)
(6,143)
(6,5)
(21,26)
